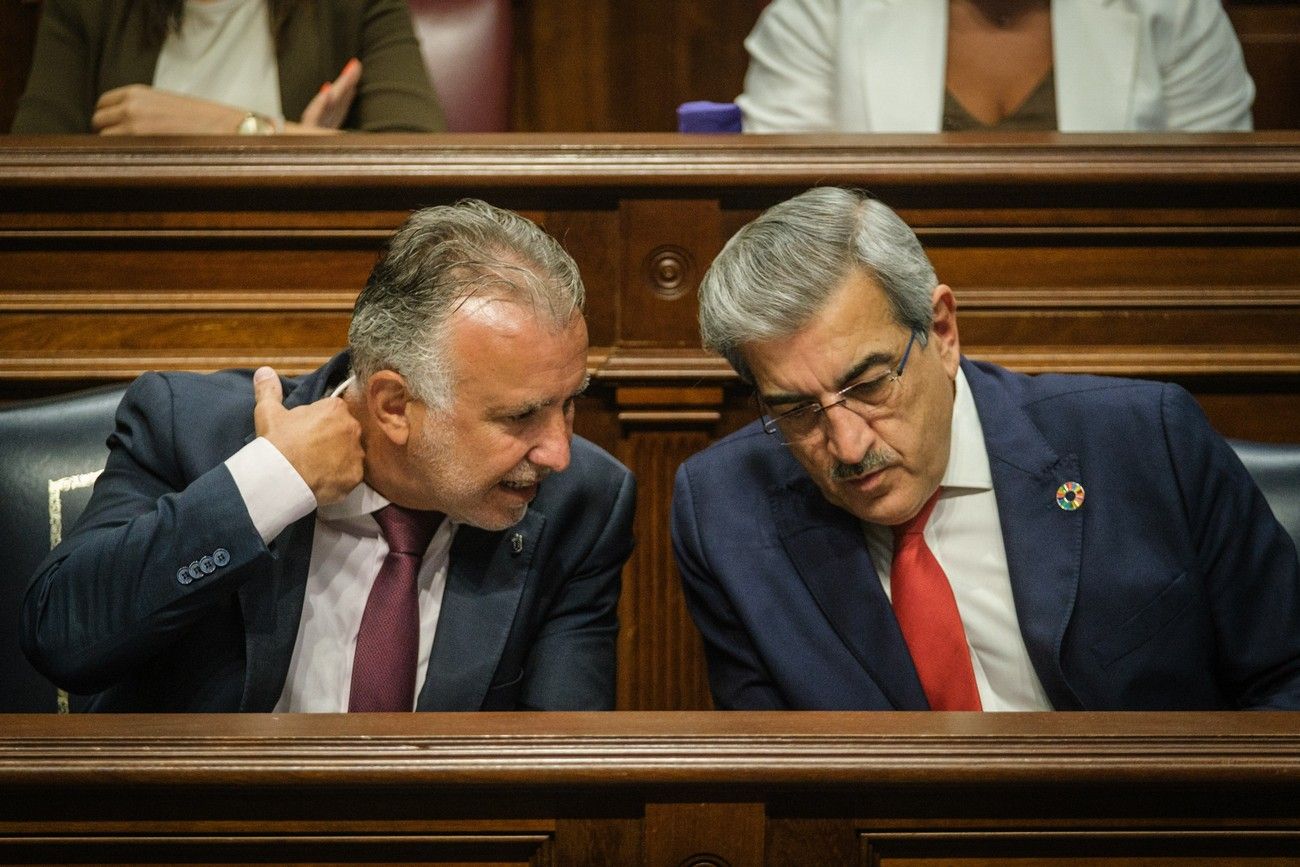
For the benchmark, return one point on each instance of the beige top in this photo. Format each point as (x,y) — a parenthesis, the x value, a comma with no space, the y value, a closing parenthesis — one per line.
(223,52)
(1037,112)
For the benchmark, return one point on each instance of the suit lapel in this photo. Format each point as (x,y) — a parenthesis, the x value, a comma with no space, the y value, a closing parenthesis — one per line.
(272,610)
(828,550)
(485,581)
(1095,52)
(1043,542)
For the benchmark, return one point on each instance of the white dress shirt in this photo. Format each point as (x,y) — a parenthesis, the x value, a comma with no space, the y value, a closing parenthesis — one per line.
(965,535)
(346,553)
(223,52)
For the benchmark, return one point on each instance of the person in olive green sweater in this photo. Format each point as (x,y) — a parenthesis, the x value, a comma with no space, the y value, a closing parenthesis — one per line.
(159,67)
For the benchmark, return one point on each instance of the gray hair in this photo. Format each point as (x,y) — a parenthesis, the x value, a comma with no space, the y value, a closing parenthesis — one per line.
(776,273)
(439,258)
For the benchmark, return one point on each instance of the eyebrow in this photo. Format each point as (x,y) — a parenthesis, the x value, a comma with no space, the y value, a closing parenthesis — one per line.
(861,367)
(542,404)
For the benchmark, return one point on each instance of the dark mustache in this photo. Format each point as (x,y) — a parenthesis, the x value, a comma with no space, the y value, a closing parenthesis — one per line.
(870,462)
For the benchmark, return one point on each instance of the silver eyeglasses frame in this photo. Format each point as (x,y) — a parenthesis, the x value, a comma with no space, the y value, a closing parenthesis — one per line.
(817,410)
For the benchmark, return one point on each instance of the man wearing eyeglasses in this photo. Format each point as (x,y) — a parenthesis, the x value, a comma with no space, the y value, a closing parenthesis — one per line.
(905,528)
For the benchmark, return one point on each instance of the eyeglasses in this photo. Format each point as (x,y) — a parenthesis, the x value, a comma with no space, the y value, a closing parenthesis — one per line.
(866,399)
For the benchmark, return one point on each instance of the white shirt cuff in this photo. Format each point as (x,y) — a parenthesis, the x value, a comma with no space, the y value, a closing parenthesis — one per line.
(273,491)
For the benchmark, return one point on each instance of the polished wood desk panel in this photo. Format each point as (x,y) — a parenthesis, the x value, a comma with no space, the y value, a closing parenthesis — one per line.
(1174,257)
(653,789)
(1158,255)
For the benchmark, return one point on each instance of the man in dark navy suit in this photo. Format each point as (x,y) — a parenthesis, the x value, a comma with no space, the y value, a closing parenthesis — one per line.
(411,526)
(905,528)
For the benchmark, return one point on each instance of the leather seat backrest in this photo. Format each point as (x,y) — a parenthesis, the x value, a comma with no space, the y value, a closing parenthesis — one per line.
(467,46)
(51,451)
(1276,469)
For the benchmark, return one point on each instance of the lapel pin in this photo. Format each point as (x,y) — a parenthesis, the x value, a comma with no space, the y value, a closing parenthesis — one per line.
(1069,496)
(517,542)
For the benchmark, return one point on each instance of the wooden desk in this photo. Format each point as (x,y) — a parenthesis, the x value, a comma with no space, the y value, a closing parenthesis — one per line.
(653,789)
(1173,257)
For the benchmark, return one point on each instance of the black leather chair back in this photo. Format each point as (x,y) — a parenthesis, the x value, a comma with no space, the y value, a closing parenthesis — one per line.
(1276,469)
(51,450)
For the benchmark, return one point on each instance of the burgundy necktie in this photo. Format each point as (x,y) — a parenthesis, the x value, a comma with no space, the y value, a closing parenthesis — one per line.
(388,642)
(927,613)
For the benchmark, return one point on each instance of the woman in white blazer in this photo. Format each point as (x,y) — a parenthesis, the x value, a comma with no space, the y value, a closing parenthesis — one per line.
(880,66)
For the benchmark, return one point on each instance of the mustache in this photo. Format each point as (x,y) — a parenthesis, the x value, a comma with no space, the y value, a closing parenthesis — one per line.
(527,474)
(870,462)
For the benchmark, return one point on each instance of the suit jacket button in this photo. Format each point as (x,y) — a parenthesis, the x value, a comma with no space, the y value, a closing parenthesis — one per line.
(221,556)
(183,575)
(206,564)
(195,572)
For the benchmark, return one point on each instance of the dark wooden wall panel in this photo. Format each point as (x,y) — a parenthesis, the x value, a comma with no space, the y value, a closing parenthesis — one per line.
(660,653)
(18,20)
(1269,31)
(653,789)
(1174,258)
(607,66)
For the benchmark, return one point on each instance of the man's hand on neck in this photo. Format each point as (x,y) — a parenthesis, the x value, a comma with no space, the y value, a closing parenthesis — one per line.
(321,440)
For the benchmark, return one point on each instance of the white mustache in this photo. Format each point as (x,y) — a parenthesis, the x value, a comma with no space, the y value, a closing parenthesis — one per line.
(532,477)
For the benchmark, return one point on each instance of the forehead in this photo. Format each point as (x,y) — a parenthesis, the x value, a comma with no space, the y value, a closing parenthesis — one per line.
(855,322)
(504,346)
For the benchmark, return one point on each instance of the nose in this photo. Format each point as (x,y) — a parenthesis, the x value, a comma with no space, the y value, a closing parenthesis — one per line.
(848,435)
(552,447)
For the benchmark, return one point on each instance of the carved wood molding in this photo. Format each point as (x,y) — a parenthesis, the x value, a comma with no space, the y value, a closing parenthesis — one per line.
(686,368)
(615,749)
(653,160)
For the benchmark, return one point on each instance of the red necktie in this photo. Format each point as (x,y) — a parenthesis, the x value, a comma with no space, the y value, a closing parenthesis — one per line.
(388,642)
(927,614)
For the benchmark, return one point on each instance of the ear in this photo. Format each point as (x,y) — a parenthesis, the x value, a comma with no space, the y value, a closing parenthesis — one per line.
(944,328)
(389,403)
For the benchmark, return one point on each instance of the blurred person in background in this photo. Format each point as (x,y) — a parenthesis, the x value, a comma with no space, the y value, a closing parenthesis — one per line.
(187,67)
(1007,65)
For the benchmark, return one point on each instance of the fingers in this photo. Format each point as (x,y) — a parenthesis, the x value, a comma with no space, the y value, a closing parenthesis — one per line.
(268,399)
(311,115)
(116,95)
(330,107)
(321,440)
(108,120)
(266,386)
(111,109)
(350,76)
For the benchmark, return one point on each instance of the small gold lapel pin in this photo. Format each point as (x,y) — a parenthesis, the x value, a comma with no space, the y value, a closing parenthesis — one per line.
(517,542)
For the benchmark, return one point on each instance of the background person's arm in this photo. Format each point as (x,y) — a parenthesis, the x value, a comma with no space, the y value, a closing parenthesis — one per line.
(1206,85)
(395,94)
(60,93)
(138,109)
(790,82)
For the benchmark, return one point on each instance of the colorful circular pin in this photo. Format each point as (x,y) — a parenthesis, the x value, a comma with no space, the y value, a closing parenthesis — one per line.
(1069,496)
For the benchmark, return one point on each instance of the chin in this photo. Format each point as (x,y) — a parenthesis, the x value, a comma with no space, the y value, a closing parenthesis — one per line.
(888,508)
(496,521)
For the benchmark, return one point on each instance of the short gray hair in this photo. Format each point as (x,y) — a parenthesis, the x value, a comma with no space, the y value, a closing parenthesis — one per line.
(776,273)
(439,258)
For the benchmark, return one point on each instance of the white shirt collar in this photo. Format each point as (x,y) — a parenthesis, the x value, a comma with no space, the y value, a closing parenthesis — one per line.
(968,458)
(361,500)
